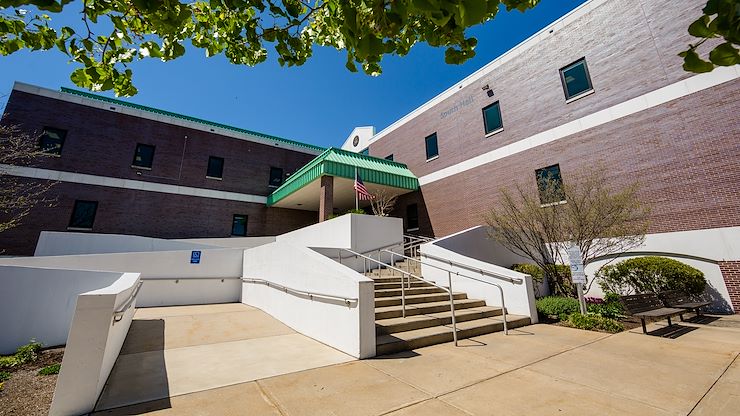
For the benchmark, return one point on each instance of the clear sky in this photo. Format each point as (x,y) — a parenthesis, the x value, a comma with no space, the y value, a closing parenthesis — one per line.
(319,102)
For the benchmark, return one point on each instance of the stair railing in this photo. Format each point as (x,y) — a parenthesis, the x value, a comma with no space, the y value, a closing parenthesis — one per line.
(408,275)
(450,272)
(411,243)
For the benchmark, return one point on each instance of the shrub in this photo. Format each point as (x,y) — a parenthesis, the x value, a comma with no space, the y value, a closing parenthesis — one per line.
(557,306)
(8,361)
(609,307)
(590,322)
(24,354)
(50,369)
(651,274)
(4,376)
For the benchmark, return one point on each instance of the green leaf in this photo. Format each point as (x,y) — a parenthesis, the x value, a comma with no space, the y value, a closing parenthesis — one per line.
(692,62)
(700,28)
(724,55)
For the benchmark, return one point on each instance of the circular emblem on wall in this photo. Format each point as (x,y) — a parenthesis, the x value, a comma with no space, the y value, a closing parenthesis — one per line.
(356,141)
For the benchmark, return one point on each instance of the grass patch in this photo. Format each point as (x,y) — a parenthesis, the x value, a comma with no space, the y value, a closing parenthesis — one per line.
(50,370)
(4,376)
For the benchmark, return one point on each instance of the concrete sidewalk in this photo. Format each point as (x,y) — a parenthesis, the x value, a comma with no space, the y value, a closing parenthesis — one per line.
(536,370)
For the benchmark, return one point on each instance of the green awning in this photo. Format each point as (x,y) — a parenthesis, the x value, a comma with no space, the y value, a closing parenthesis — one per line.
(342,164)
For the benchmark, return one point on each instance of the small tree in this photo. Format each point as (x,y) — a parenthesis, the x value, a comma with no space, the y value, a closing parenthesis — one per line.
(383,202)
(17,195)
(585,210)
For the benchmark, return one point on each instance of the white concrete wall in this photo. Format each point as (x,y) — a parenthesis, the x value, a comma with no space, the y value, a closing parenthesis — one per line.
(38,303)
(474,249)
(95,340)
(348,328)
(169,278)
(353,231)
(54,243)
(234,242)
(701,249)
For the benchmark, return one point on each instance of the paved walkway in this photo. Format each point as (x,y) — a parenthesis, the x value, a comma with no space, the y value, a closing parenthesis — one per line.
(536,370)
(172,351)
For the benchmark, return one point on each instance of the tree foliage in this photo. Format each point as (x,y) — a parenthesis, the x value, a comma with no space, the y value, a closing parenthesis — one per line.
(17,195)
(593,214)
(720,20)
(114,33)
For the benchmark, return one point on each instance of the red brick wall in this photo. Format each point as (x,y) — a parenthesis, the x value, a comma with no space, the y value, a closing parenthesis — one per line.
(731,273)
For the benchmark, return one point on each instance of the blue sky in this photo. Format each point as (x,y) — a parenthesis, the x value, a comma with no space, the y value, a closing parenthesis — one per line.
(319,102)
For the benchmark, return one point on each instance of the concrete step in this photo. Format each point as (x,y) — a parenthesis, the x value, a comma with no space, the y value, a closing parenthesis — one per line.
(409,340)
(383,286)
(410,323)
(394,279)
(391,272)
(386,312)
(384,293)
(417,299)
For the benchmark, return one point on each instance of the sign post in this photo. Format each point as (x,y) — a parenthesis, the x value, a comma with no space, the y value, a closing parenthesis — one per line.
(577,273)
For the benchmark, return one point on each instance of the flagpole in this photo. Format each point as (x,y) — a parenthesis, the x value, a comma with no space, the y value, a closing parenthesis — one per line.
(357,198)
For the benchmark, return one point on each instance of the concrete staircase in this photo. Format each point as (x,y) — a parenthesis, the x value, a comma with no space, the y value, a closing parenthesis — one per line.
(428,318)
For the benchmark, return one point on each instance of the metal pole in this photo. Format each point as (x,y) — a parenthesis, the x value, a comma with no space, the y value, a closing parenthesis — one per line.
(581,299)
(452,307)
(357,198)
(403,299)
(340,256)
(503,313)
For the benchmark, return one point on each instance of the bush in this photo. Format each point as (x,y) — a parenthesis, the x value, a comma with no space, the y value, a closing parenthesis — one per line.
(590,322)
(557,306)
(609,307)
(4,376)
(24,354)
(349,211)
(651,274)
(50,369)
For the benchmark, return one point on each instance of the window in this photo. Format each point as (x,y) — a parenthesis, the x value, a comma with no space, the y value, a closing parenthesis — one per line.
(576,80)
(83,215)
(492,118)
(52,140)
(550,185)
(365,152)
(431,145)
(239,225)
(412,217)
(389,157)
(144,156)
(215,167)
(276,177)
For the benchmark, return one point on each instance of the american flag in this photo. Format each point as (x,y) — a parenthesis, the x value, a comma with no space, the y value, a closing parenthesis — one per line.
(362,192)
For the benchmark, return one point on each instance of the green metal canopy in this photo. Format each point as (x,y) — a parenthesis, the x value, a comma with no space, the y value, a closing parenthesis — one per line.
(342,164)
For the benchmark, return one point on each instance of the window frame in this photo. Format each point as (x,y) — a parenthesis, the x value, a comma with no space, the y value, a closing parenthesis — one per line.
(57,153)
(282,177)
(136,151)
(543,202)
(233,222)
(498,129)
(426,146)
(570,98)
(77,227)
(208,168)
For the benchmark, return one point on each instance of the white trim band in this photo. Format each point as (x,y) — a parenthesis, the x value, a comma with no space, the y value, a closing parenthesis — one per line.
(652,99)
(55,175)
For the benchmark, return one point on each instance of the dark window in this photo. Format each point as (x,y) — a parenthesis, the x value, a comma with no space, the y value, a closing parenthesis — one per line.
(365,152)
(83,214)
(550,184)
(52,140)
(576,80)
(492,118)
(389,157)
(144,156)
(412,217)
(215,167)
(276,177)
(431,145)
(239,225)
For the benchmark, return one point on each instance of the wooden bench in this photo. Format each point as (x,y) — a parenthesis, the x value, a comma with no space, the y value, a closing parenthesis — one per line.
(681,300)
(649,306)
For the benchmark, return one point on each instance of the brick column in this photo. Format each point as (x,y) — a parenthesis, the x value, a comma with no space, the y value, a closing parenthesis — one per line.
(326,198)
(731,273)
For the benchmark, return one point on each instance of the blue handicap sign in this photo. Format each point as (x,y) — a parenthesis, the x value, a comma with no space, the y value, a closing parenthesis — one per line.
(195,257)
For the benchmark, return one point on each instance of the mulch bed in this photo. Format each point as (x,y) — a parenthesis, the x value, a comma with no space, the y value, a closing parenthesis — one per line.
(27,392)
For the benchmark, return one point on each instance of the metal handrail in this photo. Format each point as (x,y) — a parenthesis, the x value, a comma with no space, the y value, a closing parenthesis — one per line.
(118,313)
(403,291)
(513,280)
(311,295)
(450,272)
(177,279)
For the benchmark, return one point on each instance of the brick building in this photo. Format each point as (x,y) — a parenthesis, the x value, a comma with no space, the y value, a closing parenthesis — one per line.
(602,86)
